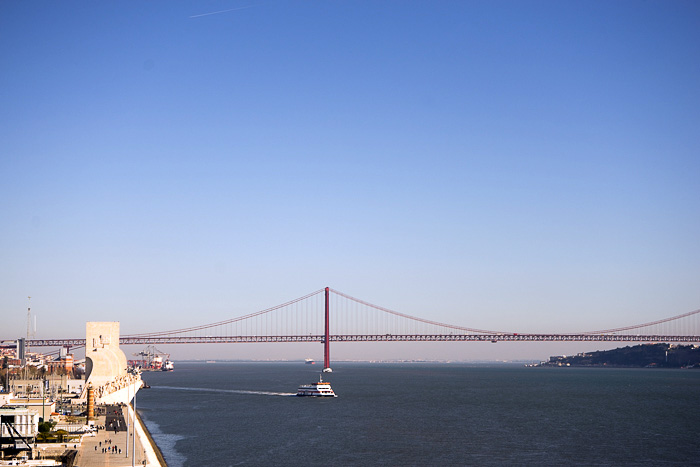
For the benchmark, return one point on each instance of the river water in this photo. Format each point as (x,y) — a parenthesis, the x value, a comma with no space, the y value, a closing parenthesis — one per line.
(227,414)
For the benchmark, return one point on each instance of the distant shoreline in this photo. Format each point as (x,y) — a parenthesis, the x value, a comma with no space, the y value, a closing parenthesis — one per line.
(468,362)
(638,356)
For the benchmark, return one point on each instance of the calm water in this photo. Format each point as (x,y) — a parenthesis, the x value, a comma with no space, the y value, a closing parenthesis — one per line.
(423,414)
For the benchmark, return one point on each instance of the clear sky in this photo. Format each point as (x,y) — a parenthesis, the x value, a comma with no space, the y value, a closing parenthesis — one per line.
(522,165)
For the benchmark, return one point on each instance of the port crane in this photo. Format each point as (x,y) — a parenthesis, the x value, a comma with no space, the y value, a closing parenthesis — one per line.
(153,359)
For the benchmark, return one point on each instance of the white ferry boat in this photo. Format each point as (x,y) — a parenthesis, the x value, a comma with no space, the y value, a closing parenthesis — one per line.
(320,389)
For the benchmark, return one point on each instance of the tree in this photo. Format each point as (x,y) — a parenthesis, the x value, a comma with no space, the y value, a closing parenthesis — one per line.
(45,427)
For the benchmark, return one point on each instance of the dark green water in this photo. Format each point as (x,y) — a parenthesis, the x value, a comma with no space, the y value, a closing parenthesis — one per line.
(423,414)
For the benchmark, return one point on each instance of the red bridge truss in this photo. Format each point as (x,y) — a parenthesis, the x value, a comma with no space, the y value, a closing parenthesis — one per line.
(328,315)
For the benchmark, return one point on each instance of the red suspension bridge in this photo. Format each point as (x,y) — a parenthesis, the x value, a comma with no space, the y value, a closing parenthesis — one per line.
(328,315)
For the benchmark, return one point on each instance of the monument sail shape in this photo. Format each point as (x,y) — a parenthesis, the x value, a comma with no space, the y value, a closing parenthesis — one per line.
(106,366)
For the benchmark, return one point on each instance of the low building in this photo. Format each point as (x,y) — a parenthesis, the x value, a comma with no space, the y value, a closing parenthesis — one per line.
(43,408)
(37,406)
(18,429)
(62,364)
(54,386)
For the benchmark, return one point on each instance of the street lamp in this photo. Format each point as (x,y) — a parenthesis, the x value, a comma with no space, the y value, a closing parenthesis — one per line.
(128,398)
(133,420)
(43,399)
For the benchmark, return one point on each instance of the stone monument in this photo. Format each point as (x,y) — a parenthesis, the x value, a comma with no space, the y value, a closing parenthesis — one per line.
(106,366)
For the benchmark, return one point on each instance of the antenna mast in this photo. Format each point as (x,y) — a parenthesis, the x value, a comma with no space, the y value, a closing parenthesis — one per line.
(29,317)
(26,343)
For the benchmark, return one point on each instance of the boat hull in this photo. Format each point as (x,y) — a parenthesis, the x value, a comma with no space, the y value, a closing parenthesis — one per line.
(316,390)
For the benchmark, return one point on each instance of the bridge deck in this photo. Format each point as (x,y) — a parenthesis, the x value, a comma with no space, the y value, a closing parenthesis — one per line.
(378,338)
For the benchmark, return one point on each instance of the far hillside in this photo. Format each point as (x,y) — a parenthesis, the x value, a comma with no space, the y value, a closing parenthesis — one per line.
(645,355)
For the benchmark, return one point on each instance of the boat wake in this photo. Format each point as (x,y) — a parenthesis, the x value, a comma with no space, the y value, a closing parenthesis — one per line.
(228,391)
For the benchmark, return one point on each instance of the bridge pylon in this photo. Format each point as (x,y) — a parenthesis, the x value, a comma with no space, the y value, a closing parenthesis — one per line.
(326,338)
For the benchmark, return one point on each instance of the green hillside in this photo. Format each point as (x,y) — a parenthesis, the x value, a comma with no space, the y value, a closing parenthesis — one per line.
(645,355)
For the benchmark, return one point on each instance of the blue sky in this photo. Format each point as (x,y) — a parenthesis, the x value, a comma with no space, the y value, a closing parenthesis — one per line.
(527,166)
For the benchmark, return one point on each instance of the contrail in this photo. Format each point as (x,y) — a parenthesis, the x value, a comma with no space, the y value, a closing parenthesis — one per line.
(222,11)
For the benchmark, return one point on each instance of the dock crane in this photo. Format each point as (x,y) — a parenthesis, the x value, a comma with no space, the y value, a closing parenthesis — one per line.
(154,359)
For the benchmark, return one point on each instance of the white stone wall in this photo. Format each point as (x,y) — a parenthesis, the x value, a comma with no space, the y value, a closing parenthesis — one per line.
(26,423)
(124,395)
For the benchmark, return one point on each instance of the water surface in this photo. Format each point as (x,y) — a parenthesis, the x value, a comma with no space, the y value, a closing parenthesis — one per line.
(423,414)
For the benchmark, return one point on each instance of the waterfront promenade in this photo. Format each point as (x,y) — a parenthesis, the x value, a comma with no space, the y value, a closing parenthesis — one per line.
(91,454)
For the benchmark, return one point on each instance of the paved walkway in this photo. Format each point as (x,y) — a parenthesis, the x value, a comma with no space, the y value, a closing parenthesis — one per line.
(102,450)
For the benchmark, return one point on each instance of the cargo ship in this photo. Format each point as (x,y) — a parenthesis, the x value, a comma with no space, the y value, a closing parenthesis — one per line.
(152,360)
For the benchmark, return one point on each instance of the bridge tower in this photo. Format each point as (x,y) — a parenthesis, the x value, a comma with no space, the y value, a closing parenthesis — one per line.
(326,339)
